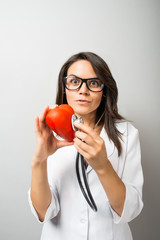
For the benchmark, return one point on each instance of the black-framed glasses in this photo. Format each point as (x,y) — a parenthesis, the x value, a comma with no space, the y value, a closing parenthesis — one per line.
(75,83)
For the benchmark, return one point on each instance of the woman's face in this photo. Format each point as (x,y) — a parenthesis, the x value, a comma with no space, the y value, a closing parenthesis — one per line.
(83,101)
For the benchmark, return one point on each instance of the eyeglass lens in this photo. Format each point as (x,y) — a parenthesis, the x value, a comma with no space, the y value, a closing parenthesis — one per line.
(73,83)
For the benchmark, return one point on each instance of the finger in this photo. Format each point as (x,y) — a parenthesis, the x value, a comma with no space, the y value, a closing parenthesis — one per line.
(42,122)
(63,143)
(84,137)
(43,114)
(82,152)
(36,125)
(46,110)
(54,106)
(85,129)
(82,145)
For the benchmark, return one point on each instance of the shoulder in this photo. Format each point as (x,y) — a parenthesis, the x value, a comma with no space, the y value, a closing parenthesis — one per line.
(126,127)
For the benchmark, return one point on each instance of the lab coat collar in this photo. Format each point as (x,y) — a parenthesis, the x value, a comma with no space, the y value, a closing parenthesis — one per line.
(122,126)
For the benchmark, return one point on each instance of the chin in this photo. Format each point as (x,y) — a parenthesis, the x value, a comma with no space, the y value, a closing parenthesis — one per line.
(78,112)
(83,112)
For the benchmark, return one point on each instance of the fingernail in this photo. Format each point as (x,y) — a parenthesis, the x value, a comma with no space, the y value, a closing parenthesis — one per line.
(76,123)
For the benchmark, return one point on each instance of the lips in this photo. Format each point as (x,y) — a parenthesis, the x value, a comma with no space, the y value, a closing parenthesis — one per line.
(82,100)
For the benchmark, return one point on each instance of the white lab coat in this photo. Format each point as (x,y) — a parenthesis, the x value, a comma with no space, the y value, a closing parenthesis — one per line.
(70,217)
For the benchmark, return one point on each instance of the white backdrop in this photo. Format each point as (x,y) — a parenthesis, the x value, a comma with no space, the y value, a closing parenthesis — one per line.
(36,38)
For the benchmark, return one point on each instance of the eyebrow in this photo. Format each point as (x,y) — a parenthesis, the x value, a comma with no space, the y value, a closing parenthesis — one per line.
(73,75)
(80,77)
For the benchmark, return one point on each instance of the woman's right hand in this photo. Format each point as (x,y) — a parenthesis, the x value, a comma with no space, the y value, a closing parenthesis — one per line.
(46,142)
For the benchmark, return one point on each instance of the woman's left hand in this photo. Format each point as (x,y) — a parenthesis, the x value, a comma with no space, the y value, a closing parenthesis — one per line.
(91,146)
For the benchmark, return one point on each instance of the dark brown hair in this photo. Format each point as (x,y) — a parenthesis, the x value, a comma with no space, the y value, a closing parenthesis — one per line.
(109,100)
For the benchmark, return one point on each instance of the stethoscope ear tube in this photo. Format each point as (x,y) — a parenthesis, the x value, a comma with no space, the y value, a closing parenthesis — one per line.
(89,199)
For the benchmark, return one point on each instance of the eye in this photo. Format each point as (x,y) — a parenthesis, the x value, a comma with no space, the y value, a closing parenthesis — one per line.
(74,81)
(95,83)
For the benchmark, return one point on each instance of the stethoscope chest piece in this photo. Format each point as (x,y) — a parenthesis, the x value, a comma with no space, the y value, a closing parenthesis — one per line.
(76,119)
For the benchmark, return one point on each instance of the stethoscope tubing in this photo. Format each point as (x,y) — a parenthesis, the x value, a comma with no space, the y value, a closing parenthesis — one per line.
(88,198)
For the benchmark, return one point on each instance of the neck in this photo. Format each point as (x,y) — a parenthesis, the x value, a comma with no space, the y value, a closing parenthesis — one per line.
(90,120)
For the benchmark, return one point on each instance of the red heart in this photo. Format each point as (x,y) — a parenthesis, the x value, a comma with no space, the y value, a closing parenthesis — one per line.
(59,120)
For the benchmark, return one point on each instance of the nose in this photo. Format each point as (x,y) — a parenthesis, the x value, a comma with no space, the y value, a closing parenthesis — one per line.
(83,89)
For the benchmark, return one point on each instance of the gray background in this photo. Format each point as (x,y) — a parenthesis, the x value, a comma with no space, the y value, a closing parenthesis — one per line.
(36,38)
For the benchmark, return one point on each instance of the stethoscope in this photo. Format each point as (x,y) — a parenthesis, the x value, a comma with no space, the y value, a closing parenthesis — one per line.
(88,195)
(80,161)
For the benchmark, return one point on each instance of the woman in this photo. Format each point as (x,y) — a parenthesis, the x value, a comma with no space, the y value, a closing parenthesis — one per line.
(110,147)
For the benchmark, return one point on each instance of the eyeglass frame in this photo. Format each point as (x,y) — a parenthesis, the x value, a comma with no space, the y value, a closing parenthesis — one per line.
(84,80)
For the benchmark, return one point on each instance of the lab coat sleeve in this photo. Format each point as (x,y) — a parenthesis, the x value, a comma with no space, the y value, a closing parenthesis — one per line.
(132,177)
(52,210)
